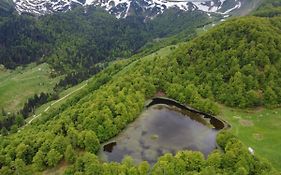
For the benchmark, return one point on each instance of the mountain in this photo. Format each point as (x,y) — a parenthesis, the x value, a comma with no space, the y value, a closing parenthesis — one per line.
(229,61)
(75,39)
(237,63)
(124,8)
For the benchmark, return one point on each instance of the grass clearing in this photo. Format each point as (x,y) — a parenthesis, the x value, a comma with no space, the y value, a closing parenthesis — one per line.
(16,86)
(259,129)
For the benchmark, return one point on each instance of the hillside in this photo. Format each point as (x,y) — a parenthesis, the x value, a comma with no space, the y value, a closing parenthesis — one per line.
(76,45)
(237,63)
(227,64)
(31,80)
(268,8)
(78,40)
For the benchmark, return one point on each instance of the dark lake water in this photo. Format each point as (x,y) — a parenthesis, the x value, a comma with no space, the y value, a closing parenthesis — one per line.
(163,128)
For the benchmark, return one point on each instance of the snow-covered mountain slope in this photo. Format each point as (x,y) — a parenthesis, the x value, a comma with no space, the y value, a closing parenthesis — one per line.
(123,8)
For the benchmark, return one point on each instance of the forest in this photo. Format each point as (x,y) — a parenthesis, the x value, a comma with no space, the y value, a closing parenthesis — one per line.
(269,8)
(79,45)
(195,73)
(76,40)
(62,133)
(237,64)
(242,68)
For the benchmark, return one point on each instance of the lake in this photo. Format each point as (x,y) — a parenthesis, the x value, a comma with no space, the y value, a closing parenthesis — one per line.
(164,126)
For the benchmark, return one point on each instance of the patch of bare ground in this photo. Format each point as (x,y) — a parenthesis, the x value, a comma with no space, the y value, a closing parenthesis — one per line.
(247,123)
(254,110)
(160,94)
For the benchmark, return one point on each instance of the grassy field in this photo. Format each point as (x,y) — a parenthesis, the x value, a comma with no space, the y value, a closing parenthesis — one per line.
(259,129)
(63,96)
(16,86)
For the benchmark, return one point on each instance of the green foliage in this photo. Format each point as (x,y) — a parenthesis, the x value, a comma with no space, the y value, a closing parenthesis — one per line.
(238,62)
(53,157)
(229,64)
(235,159)
(76,40)
(224,138)
(39,161)
(4,131)
(90,141)
(110,101)
(175,21)
(269,8)
(69,154)
(20,167)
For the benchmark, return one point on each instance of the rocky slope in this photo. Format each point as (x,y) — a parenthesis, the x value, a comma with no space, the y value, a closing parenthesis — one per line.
(124,8)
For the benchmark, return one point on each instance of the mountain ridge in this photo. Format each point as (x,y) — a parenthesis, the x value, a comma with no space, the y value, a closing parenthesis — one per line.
(124,8)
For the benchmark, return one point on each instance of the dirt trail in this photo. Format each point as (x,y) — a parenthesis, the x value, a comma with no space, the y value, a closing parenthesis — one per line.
(47,108)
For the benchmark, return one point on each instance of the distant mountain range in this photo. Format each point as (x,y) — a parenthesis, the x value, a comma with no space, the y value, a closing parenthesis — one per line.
(124,8)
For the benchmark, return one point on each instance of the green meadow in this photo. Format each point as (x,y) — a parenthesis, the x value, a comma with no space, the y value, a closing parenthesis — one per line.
(259,129)
(16,86)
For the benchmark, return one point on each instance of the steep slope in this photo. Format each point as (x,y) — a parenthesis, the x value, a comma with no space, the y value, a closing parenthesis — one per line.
(124,8)
(77,52)
(269,8)
(237,63)
(110,101)
(247,7)
(77,40)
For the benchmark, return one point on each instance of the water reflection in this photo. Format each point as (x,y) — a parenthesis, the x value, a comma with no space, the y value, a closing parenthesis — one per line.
(162,128)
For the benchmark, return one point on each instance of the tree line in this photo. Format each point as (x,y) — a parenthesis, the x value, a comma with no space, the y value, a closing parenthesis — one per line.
(10,122)
(77,40)
(234,64)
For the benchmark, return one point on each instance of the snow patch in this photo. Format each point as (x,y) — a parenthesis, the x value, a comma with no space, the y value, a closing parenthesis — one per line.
(41,7)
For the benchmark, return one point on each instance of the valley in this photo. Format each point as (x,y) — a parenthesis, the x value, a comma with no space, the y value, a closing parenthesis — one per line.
(85,91)
(18,85)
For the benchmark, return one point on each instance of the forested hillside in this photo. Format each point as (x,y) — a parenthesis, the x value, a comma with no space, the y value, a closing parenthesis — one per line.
(77,45)
(269,8)
(236,63)
(82,37)
(114,102)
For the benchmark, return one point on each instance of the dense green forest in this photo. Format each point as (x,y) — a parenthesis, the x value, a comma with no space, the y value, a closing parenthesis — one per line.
(269,8)
(236,63)
(75,43)
(78,39)
(110,102)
